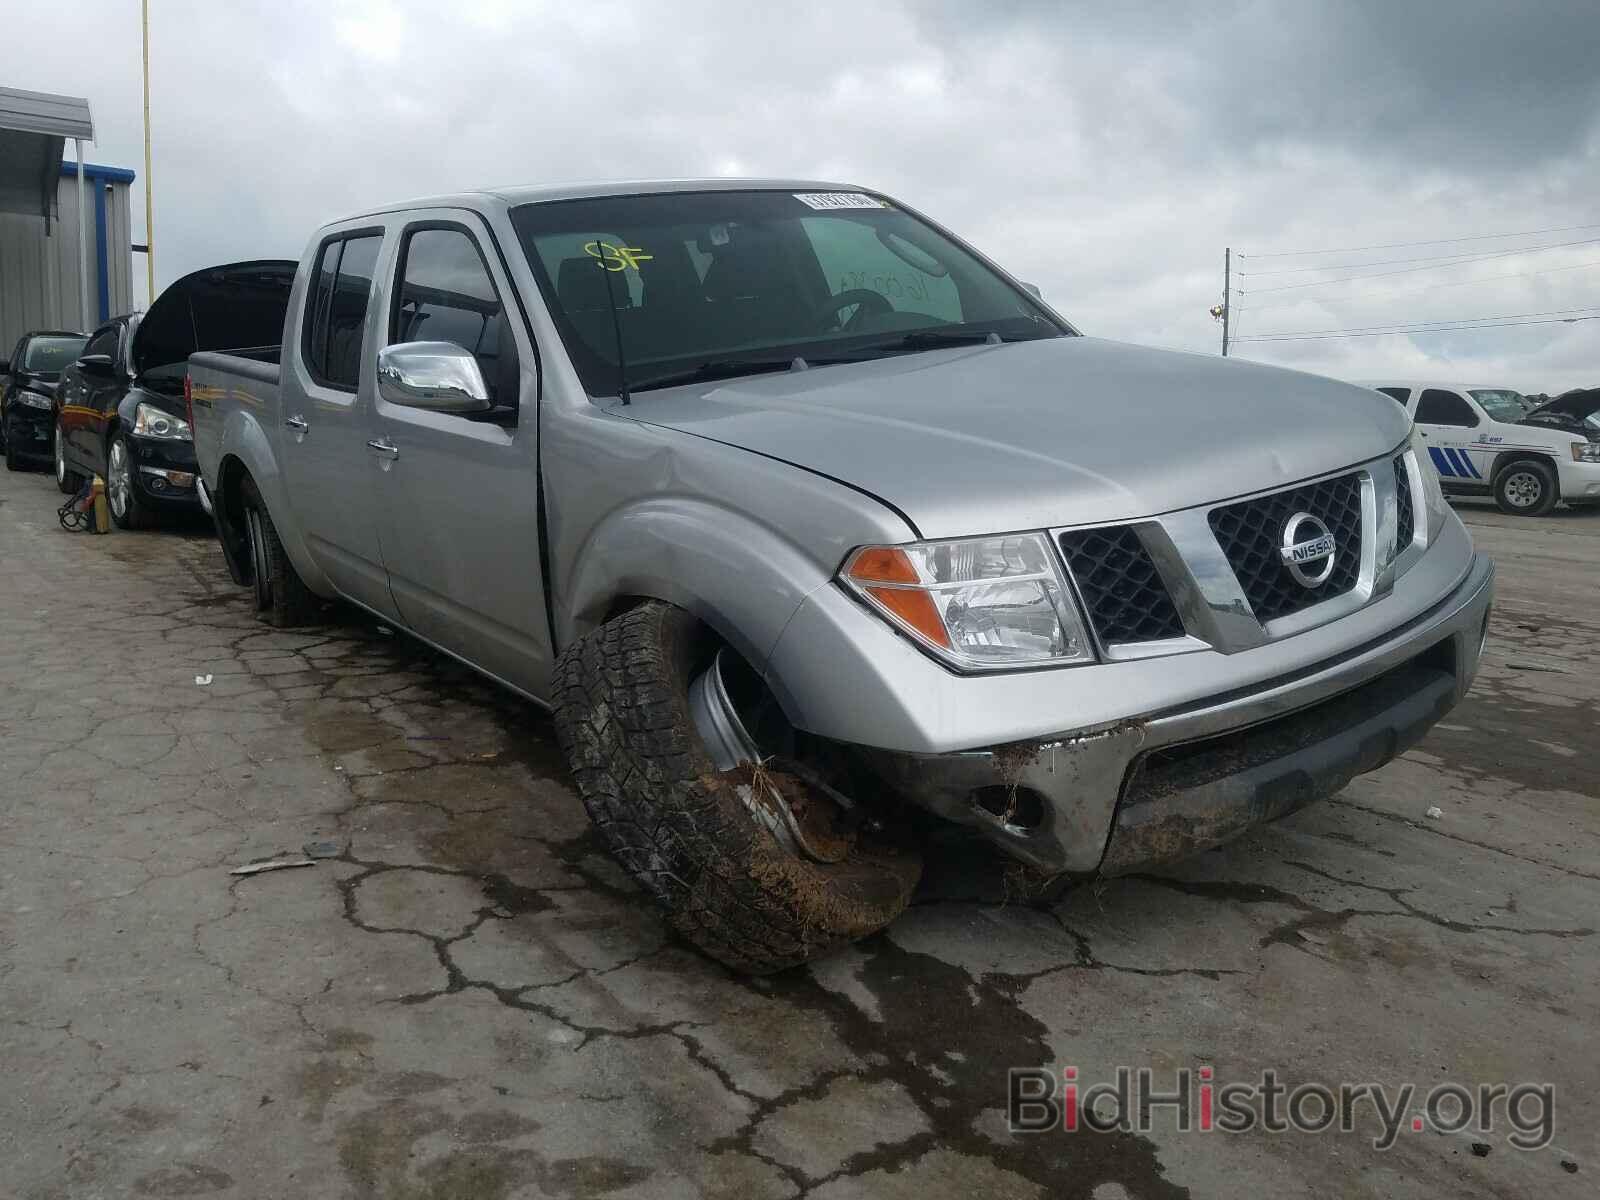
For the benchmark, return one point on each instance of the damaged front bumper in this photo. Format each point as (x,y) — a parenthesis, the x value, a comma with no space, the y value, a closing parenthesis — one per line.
(1173,781)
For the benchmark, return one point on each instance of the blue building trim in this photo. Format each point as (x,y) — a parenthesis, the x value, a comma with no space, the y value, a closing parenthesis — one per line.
(104,174)
(100,257)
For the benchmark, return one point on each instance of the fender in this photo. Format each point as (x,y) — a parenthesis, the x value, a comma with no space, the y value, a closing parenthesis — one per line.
(246,449)
(742,578)
(1506,457)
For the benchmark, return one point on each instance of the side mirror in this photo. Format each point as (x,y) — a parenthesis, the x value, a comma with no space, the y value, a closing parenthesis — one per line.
(1032,289)
(98,364)
(438,376)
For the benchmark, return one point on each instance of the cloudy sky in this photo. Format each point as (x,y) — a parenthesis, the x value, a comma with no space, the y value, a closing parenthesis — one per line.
(1107,152)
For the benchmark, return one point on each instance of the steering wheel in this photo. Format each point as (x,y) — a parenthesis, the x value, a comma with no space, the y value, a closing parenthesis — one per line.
(869,301)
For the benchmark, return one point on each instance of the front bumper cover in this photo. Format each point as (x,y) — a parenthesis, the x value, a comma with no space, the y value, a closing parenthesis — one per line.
(153,455)
(30,431)
(1176,781)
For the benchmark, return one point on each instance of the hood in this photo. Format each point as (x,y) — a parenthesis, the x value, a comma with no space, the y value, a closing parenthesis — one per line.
(1028,435)
(1576,405)
(218,308)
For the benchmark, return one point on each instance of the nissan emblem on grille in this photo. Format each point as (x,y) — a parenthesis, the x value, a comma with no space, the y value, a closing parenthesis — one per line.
(1307,543)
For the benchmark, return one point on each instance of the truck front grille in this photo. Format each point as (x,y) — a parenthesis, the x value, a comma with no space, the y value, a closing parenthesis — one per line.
(1407,527)
(1250,533)
(1126,599)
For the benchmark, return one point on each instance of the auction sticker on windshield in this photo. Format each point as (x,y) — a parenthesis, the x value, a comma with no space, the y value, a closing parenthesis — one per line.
(821,200)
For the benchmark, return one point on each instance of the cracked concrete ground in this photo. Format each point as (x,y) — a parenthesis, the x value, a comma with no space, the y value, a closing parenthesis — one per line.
(471,1001)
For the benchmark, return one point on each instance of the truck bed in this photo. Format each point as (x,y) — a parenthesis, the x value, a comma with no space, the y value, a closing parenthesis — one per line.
(222,382)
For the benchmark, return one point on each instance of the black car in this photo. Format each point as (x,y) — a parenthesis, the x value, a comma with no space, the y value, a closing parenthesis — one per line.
(27,402)
(120,410)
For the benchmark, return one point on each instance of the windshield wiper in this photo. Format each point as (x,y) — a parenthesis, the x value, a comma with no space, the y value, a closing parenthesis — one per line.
(933,339)
(729,368)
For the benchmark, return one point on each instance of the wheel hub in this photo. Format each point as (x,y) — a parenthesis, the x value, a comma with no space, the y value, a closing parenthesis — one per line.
(731,748)
(1523,489)
(119,484)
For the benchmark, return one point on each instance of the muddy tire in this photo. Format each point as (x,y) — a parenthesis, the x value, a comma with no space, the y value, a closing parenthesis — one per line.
(282,600)
(1526,488)
(681,829)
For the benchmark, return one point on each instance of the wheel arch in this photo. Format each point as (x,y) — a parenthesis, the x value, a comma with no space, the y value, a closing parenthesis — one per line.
(1509,458)
(741,579)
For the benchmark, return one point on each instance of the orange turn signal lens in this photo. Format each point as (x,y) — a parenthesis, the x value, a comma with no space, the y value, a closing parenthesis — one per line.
(883,564)
(916,609)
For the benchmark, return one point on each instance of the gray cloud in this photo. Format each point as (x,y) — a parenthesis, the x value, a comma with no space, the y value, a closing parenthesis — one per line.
(1106,152)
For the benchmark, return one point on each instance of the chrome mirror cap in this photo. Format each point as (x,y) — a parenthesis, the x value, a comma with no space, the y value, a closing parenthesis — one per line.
(440,376)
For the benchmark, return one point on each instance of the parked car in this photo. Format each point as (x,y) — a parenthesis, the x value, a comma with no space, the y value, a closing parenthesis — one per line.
(802,515)
(28,397)
(1489,441)
(120,408)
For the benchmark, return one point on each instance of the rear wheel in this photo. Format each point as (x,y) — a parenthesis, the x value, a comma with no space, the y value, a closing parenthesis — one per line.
(755,864)
(1526,488)
(68,480)
(281,597)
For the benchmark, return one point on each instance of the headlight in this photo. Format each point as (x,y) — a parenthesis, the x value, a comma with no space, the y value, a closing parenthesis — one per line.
(979,604)
(1432,494)
(1588,452)
(33,400)
(153,422)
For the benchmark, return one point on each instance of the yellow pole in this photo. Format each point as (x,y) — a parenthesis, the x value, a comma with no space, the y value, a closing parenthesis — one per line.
(149,218)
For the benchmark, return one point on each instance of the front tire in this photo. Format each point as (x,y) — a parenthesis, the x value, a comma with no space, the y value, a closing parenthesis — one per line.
(68,480)
(127,510)
(282,599)
(680,827)
(1526,488)
(13,459)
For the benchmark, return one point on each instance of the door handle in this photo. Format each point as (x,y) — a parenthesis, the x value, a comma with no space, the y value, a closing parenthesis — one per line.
(296,423)
(384,448)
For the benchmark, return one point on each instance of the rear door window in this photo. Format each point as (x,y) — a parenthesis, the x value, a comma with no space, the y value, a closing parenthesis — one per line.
(1439,407)
(336,309)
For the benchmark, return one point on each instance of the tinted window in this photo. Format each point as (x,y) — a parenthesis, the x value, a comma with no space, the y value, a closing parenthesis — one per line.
(1439,407)
(103,342)
(446,295)
(337,313)
(50,355)
(1398,394)
(690,281)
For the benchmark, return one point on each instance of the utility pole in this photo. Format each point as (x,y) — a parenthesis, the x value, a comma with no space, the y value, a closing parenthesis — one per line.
(149,218)
(1227,284)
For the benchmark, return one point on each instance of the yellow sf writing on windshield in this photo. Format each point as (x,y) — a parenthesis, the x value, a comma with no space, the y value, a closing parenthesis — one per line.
(616,258)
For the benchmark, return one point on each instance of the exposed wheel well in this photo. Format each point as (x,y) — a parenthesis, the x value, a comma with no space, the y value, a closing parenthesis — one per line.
(229,515)
(1510,458)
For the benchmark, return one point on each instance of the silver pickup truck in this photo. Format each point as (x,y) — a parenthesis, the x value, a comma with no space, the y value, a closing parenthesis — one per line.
(821,535)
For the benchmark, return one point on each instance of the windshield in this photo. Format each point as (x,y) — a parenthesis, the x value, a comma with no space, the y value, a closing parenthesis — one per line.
(50,355)
(1500,404)
(718,284)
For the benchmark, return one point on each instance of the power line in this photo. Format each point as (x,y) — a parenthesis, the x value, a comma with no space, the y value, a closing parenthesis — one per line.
(1319,337)
(1485,237)
(1551,312)
(1287,287)
(1462,256)
(1432,287)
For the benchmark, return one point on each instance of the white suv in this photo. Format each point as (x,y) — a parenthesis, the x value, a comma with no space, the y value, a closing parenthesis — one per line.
(1490,441)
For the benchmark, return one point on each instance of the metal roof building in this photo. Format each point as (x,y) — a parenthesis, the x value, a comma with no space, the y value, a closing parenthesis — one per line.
(65,237)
